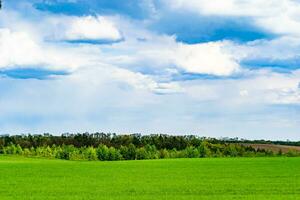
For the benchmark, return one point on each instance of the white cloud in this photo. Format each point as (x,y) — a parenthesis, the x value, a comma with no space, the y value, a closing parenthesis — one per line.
(287,96)
(206,58)
(244,93)
(263,87)
(17,48)
(231,7)
(157,52)
(85,28)
(278,48)
(272,88)
(144,82)
(20,49)
(277,16)
(166,55)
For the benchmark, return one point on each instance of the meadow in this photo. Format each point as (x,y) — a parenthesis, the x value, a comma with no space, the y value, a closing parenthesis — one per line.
(200,178)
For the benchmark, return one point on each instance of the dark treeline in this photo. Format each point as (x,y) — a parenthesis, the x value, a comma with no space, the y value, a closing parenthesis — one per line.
(160,141)
(288,143)
(100,146)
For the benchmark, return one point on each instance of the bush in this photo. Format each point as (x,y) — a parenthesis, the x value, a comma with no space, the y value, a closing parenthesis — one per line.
(292,153)
(128,153)
(11,149)
(27,152)
(68,152)
(141,154)
(204,150)
(90,153)
(102,152)
(191,152)
(151,152)
(164,153)
(114,154)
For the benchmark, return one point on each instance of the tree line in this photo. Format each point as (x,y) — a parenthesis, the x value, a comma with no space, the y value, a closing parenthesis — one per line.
(160,141)
(110,147)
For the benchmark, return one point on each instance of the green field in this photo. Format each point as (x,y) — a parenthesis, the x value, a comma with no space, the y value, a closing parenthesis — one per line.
(212,178)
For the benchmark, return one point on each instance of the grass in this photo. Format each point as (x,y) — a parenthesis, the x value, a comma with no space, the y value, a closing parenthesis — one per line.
(214,178)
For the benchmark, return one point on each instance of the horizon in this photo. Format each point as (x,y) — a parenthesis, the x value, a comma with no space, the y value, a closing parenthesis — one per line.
(230,69)
(221,138)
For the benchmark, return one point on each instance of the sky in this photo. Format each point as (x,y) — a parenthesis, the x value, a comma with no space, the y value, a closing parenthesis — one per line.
(227,68)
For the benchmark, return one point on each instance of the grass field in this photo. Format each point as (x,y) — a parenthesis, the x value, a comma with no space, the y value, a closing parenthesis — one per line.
(213,178)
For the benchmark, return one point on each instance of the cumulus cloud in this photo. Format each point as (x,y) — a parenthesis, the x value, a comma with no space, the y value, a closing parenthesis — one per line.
(207,58)
(277,16)
(231,7)
(18,48)
(278,54)
(86,28)
(143,82)
(164,55)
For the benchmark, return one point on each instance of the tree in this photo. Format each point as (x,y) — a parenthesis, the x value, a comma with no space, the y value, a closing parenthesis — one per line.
(141,154)
(164,153)
(11,149)
(292,153)
(231,150)
(204,150)
(90,153)
(19,150)
(128,153)
(114,154)
(102,152)
(191,152)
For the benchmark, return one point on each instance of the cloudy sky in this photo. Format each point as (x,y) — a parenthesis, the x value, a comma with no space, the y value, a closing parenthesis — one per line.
(213,68)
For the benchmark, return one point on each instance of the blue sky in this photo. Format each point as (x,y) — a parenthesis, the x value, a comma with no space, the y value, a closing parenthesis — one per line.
(217,69)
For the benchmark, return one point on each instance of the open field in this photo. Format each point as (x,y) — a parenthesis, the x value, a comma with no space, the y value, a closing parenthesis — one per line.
(212,178)
(274,147)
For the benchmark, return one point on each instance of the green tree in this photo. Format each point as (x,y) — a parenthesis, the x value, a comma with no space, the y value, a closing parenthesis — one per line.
(141,154)
(204,150)
(90,153)
(191,152)
(102,152)
(114,154)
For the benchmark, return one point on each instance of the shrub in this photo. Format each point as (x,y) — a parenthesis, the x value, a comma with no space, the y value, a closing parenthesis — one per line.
(90,153)
(141,154)
(292,153)
(102,152)
(164,153)
(204,150)
(114,154)
(11,149)
(191,152)
(128,153)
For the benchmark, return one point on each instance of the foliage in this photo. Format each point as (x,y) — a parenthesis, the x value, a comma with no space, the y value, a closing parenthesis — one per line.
(104,153)
(110,147)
